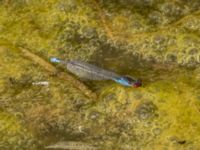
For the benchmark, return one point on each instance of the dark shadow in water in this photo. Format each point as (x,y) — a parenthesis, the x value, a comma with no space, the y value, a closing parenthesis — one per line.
(117,59)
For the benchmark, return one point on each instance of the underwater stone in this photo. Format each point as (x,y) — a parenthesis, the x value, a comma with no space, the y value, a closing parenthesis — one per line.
(146,110)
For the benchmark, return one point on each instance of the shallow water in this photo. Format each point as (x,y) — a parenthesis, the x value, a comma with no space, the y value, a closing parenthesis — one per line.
(44,106)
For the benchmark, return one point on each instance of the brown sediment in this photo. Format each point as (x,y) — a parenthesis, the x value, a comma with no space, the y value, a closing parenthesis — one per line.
(62,75)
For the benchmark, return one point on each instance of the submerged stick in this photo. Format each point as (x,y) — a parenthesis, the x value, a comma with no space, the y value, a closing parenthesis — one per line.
(103,20)
(62,75)
(73,145)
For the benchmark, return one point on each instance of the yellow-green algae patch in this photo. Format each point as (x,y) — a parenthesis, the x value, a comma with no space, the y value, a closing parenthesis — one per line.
(161,115)
(120,36)
(14,135)
(78,29)
(41,108)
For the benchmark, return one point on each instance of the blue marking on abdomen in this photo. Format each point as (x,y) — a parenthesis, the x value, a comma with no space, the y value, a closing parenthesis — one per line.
(55,60)
(122,81)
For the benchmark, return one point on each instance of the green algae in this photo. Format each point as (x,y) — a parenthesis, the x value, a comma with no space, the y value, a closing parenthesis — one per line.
(14,135)
(79,35)
(160,44)
(169,108)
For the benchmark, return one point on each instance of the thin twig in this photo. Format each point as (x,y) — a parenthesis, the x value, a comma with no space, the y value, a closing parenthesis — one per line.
(103,20)
(62,75)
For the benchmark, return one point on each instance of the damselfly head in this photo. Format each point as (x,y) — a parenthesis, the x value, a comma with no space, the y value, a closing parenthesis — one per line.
(137,83)
(133,82)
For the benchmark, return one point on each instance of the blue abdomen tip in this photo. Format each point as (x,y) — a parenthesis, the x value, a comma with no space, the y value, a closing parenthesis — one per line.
(53,59)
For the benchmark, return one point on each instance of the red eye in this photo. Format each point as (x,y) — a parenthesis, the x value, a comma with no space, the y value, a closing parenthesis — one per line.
(137,84)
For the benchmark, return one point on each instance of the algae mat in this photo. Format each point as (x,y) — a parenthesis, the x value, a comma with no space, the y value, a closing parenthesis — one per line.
(42,106)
